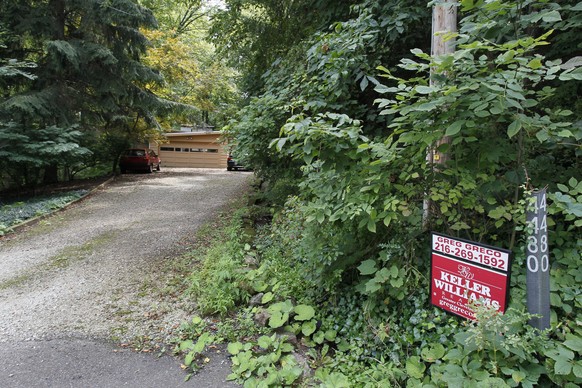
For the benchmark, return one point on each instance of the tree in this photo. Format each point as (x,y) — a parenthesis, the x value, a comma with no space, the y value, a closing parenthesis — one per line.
(253,34)
(88,77)
(193,74)
(178,16)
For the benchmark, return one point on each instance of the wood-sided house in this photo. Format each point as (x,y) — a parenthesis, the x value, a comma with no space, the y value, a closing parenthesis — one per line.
(191,147)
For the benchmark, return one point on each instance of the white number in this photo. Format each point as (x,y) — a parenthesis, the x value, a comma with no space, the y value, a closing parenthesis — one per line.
(544,243)
(532,244)
(543,202)
(532,263)
(544,225)
(545,263)
(534,222)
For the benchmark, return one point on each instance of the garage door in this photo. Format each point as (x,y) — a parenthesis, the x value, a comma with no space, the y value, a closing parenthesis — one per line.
(191,154)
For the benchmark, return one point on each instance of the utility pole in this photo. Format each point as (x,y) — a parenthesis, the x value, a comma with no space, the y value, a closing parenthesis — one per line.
(444,22)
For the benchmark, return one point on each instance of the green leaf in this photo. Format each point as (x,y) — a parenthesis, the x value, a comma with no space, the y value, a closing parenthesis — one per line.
(573,342)
(189,358)
(267,297)
(367,267)
(308,328)
(364,83)
(565,133)
(415,368)
(285,307)
(264,342)
(513,128)
(286,347)
(201,343)
(372,286)
(424,89)
(278,319)
(280,143)
(426,107)
(535,63)
(304,312)
(330,335)
(433,353)
(234,348)
(562,366)
(371,225)
(454,128)
(186,345)
(551,17)
(575,74)
(397,283)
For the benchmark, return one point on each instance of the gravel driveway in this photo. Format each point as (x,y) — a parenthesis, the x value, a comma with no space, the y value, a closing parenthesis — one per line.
(84,273)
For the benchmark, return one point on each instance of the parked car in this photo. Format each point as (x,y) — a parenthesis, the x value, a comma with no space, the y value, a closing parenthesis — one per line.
(231,164)
(142,159)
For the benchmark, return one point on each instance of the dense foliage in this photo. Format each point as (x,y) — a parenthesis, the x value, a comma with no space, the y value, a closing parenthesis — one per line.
(193,74)
(87,79)
(344,122)
(78,84)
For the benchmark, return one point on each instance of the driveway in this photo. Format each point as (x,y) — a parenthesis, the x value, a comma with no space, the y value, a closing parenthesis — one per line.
(87,279)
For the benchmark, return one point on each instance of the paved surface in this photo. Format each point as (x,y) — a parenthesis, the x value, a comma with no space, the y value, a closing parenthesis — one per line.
(93,363)
(75,286)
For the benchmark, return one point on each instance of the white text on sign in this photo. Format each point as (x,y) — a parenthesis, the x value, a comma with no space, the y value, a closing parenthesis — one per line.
(476,253)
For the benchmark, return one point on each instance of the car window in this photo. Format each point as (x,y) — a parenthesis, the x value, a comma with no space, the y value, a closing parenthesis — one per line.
(135,153)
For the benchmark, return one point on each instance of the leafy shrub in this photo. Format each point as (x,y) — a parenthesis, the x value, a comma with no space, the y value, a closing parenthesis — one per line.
(354,237)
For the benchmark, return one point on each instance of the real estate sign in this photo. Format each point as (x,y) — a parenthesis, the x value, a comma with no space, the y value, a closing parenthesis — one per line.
(464,271)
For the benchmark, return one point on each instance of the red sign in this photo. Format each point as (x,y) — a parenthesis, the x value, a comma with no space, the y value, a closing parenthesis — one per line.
(467,273)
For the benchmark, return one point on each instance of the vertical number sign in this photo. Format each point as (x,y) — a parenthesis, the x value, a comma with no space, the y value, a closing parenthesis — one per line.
(538,261)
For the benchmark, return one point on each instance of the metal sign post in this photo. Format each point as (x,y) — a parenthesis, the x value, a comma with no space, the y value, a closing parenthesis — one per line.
(538,261)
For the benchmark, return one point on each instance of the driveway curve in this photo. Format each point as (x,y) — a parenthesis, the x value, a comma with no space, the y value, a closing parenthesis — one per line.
(81,275)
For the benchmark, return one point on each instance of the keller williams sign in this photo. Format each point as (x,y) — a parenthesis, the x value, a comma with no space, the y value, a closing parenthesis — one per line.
(463,271)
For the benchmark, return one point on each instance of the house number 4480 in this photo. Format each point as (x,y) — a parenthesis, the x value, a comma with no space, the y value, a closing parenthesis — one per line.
(537,242)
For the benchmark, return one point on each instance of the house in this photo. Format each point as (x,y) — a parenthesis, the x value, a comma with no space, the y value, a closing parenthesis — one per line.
(193,147)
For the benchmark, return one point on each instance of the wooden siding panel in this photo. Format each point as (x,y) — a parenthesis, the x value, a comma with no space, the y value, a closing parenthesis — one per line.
(194,159)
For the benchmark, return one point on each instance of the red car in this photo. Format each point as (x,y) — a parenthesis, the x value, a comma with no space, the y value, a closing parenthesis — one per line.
(139,159)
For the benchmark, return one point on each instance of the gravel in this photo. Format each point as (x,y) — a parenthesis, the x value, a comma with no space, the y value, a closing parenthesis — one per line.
(91,271)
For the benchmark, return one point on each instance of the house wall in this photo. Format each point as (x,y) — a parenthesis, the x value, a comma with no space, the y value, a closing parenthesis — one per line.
(193,150)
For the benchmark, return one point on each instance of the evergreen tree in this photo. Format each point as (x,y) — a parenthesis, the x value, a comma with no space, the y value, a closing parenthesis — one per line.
(88,81)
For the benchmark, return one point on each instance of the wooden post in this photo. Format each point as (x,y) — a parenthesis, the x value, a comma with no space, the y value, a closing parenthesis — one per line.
(444,21)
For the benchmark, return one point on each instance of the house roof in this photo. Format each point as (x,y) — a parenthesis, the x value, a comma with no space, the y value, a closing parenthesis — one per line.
(196,133)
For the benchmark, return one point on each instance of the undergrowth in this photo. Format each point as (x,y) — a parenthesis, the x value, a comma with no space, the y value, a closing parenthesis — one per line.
(285,328)
(15,212)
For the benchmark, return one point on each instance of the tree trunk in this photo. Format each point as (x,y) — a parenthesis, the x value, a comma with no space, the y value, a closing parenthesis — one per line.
(51,174)
(58,12)
(444,21)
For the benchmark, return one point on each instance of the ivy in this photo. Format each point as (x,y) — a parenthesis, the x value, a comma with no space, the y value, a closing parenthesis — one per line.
(346,131)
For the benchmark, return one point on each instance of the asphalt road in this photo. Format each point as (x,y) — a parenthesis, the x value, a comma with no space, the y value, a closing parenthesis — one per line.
(72,286)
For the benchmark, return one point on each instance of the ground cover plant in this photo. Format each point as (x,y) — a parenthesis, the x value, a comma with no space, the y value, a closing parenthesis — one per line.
(338,282)
(16,211)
